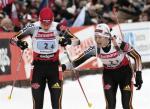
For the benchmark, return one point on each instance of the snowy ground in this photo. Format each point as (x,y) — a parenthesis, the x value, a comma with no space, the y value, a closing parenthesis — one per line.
(73,97)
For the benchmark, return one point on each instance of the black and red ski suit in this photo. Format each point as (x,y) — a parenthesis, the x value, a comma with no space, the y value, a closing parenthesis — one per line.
(45,46)
(117,70)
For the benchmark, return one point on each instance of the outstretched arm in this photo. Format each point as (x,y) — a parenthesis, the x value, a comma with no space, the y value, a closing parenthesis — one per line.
(17,39)
(90,52)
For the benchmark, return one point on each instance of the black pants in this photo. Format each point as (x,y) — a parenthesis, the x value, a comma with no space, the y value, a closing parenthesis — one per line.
(121,77)
(46,72)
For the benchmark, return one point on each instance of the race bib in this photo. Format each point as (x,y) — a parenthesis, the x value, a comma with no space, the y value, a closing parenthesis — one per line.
(45,46)
(113,62)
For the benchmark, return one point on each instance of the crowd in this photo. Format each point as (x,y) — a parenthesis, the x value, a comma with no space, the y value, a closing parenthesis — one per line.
(66,11)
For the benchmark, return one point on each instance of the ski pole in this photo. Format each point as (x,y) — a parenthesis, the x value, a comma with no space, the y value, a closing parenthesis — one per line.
(17,71)
(114,11)
(74,71)
(76,76)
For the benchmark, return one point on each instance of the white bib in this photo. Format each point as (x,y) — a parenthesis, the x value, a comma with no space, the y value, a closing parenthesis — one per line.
(113,58)
(45,46)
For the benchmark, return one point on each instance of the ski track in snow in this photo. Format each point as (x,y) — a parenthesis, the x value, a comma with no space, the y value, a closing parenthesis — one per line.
(73,97)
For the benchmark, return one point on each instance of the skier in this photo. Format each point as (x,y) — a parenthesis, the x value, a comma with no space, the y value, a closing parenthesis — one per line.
(46,36)
(117,70)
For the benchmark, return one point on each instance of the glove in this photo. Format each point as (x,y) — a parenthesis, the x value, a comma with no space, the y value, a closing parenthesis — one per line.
(138,80)
(22,44)
(63,67)
(64,41)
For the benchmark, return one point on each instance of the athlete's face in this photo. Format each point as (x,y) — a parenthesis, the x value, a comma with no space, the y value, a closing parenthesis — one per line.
(45,26)
(101,41)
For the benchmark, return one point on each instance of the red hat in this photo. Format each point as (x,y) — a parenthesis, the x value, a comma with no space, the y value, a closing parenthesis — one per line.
(46,16)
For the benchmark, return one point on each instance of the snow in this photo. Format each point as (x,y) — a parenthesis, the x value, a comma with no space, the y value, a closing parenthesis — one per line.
(73,97)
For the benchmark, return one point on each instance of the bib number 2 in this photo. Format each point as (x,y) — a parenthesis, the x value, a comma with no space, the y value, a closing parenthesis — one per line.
(46,45)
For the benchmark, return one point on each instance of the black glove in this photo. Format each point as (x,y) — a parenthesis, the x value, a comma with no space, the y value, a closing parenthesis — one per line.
(138,80)
(63,67)
(64,41)
(22,44)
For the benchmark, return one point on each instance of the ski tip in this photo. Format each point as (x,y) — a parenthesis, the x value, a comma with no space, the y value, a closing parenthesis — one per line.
(90,105)
(9,97)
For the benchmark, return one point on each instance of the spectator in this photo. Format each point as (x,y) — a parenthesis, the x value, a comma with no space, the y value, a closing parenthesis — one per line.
(97,10)
(145,16)
(1,17)
(6,25)
(92,13)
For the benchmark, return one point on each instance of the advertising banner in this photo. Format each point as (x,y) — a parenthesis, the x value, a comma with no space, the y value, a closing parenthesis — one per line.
(137,34)
(9,58)
(5,57)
